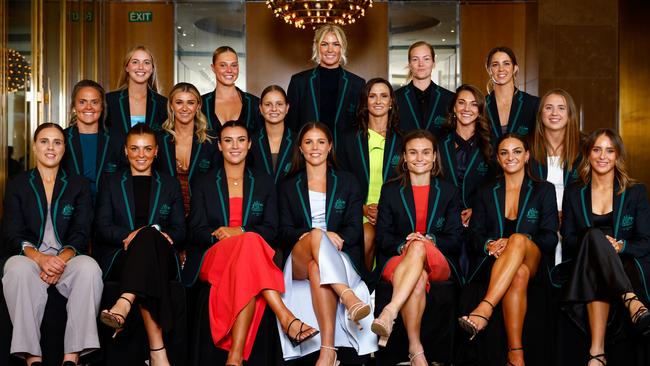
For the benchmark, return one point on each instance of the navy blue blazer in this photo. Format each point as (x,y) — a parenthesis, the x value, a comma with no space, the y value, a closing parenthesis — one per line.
(25,211)
(303,95)
(107,158)
(433,119)
(249,115)
(210,210)
(204,156)
(344,211)
(523,114)
(396,220)
(478,173)
(261,153)
(115,213)
(118,118)
(536,217)
(352,156)
(631,221)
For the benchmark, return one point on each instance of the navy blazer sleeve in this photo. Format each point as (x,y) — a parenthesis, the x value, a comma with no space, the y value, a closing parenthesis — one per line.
(568,229)
(388,240)
(449,239)
(638,245)
(351,227)
(106,229)
(290,230)
(546,235)
(267,227)
(293,96)
(77,234)
(201,231)
(175,224)
(477,224)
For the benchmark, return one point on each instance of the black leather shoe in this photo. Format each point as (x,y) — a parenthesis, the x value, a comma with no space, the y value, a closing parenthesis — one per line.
(69,363)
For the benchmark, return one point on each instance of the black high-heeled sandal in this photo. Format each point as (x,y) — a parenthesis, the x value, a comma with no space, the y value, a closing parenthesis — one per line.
(469,326)
(641,318)
(113,319)
(298,337)
(599,357)
(508,363)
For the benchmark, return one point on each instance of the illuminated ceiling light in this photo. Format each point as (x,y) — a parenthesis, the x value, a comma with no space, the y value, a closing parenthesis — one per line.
(300,13)
(18,71)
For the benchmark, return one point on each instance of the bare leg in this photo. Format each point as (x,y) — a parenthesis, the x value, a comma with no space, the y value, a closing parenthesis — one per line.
(239,332)
(369,244)
(157,353)
(407,274)
(74,357)
(412,315)
(285,316)
(31,359)
(598,312)
(515,303)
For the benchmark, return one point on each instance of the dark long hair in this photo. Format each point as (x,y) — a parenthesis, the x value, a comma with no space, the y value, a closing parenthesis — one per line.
(525,144)
(482,127)
(140,129)
(511,54)
(45,125)
(403,175)
(620,169)
(363,115)
(298,161)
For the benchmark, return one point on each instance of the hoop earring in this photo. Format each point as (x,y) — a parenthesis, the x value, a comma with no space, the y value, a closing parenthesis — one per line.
(404,166)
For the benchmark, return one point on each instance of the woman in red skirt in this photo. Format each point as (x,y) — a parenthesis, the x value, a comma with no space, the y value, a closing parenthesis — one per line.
(233,216)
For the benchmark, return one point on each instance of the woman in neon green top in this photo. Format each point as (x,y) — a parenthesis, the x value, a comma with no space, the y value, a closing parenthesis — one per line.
(371,152)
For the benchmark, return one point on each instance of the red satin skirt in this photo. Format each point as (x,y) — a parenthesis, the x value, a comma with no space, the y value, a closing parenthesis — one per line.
(436,265)
(238,269)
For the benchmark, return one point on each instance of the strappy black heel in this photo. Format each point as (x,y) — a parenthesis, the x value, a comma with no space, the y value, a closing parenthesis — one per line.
(599,357)
(469,326)
(115,320)
(641,318)
(298,338)
(508,363)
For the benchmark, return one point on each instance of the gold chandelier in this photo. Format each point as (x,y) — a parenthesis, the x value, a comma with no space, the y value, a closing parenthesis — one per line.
(315,12)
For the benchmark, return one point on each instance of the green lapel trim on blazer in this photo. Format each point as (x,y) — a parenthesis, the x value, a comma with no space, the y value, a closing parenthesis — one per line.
(362,154)
(408,101)
(389,157)
(469,171)
(498,207)
(40,206)
(406,208)
(618,214)
(542,174)
(583,203)
(154,207)
(221,200)
(493,122)
(302,201)
(523,207)
(331,196)
(285,153)
(64,179)
(100,167)
(125,120)
(127,204)
(435,107)
(340,104)
(153,106)
(262,147)
(432,213)
(165,144)
(208,103)
(194,159)
(520,102)
(251,189)
(452,168)
(248,108)
(72,150)
(314,75)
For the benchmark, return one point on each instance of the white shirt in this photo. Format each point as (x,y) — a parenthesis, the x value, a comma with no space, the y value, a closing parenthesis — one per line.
(317,205)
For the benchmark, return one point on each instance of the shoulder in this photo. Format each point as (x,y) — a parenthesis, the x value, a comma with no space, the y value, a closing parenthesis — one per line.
(343,176)
(354,78)
(399,93)
(529,97)
(158,97)
(348,136)
(114,95)
(303,75)
(444,185)
(252,98)
(262,179)
(543,186)
(20,180)
(391,188)
(448,94)
(209,95)
(638,190)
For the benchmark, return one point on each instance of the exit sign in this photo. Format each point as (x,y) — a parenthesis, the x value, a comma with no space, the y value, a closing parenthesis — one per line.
(140,16)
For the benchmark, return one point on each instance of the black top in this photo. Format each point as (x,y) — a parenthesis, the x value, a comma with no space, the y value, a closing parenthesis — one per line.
(604,222)
(329,89)
(434,109)
(249,115)
(141,189)
(423,100)
(509,227)
(464,149)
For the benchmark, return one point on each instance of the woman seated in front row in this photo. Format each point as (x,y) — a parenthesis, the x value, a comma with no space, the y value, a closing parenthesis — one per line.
(417,226)
(514,223)
(606,233)
(140,224)
(320,224)
(233,216)
(46,227)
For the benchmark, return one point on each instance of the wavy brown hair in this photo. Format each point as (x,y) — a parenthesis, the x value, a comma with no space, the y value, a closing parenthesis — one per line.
(403,175)
(298,161)
(200,121)
(620,169)
(481,125)
(363,115)
(123,80)
(571,141)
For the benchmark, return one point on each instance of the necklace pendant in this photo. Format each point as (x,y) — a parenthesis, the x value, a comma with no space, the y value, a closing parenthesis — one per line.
(235,183)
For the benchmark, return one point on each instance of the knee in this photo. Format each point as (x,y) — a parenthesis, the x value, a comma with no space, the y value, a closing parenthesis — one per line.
(19,268)
(417,250)
(520,280)
(421,286)
(517,241)
(313,271)
(86,267)
(316,235)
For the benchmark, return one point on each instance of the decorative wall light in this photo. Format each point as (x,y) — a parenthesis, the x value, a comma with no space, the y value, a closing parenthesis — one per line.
(301,13)
(18,71)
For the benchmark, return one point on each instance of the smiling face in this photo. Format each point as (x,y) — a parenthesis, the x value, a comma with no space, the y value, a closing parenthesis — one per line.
(234,145)
(466,108)
(315,147)
(226,68)
(88,105)
(501,68)
(49,147)
(329,50)
(419,156)
(274,107)
(421,62)
(555,114)
(140,67)
(512,155)
(603,155)
(141,151)
(184,106)
(379,100)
